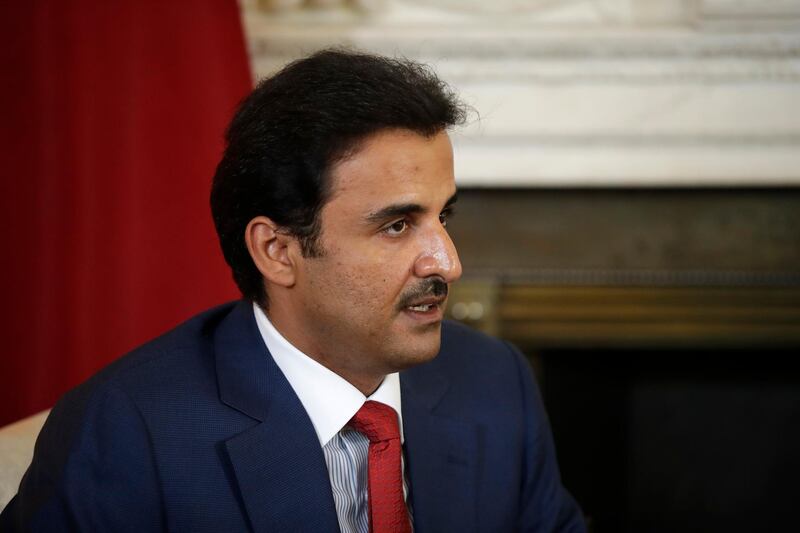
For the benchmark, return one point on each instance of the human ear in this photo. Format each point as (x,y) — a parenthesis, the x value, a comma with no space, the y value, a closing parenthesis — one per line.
(269,247)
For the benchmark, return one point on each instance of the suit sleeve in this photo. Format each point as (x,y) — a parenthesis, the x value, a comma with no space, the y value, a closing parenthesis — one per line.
(545,504)
(92,470)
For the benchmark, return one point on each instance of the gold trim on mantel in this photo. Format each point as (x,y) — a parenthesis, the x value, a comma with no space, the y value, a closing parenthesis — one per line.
(536,316)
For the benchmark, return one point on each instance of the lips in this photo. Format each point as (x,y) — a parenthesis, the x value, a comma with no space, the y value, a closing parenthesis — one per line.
(423,303)
(426,311)
(426,304)
(429,293)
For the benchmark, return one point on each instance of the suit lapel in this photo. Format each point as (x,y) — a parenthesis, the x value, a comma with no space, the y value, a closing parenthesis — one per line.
(278,463)
(442,454)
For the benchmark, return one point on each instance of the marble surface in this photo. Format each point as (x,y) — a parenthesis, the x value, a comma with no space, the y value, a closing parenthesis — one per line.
(583,93)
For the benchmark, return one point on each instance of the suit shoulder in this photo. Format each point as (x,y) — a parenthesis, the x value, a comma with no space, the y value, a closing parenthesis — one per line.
(462,338)
(469,349)
(179,359)
(166,357)
(484,378)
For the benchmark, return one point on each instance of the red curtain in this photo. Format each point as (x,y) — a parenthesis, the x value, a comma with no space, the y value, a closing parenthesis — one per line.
(113,117)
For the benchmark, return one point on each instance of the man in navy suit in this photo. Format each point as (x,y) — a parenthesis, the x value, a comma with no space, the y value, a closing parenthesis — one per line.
(331,205)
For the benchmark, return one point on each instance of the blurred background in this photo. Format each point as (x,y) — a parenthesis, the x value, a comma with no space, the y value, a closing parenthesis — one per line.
(629,214)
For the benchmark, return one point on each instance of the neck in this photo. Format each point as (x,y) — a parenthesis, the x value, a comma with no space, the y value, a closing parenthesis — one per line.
(367,387)
(366,382)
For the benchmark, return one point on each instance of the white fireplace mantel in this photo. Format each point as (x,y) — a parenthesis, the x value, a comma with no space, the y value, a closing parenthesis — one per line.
(583,92)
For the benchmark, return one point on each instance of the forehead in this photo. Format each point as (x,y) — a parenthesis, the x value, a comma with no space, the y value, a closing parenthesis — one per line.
(395,165)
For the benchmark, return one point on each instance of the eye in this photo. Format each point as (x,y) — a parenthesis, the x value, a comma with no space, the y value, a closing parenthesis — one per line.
(446,215)
(396,228)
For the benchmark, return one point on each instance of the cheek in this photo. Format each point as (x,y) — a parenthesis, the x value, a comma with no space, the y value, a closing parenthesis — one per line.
(373,288)
(341,286)
(371,278)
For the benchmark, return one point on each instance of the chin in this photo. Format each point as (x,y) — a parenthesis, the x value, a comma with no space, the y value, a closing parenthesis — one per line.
(417,353)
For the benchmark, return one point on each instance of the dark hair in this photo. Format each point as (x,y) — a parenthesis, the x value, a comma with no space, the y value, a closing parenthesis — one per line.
(290,131)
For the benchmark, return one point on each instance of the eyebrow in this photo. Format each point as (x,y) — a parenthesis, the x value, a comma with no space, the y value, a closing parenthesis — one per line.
(397,210)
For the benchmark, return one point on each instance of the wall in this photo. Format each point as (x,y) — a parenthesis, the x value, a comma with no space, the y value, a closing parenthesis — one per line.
(584,92)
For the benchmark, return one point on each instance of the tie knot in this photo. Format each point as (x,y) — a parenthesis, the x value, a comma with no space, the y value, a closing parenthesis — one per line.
(376,421)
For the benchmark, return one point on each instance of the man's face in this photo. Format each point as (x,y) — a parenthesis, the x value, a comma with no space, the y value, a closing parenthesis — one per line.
(372,303)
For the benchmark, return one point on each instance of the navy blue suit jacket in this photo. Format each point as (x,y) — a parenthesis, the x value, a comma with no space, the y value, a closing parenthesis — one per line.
(200,431)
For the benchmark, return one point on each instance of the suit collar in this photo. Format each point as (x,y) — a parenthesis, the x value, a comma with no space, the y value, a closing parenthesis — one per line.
(278,463)
(329,399)
(442,454)
(246,373)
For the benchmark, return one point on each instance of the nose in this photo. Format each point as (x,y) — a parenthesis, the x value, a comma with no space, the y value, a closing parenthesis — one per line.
(438,257)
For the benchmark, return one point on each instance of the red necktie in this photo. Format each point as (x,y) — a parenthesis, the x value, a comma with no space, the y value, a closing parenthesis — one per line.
(387,507)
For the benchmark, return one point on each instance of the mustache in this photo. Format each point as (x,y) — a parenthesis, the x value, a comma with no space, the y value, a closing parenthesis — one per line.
(427,287)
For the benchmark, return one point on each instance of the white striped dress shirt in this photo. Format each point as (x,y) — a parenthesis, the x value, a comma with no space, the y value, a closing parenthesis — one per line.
(331,402)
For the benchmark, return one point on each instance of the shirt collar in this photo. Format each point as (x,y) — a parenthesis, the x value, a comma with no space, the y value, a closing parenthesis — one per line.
(330,400)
